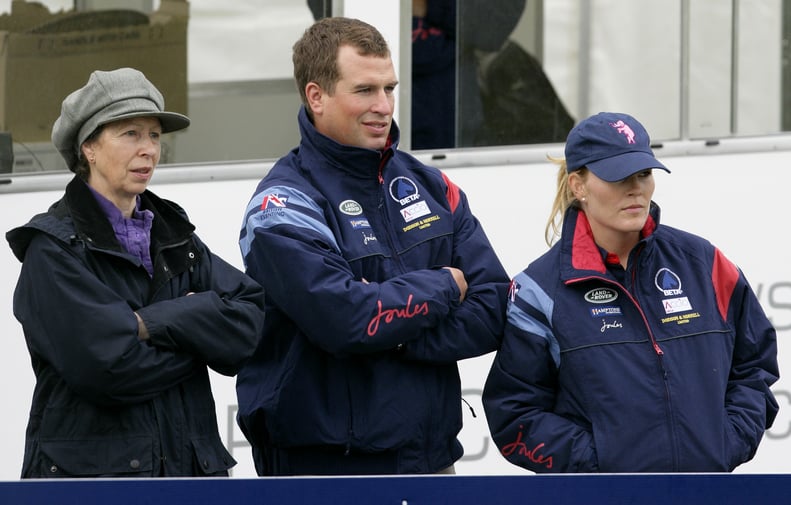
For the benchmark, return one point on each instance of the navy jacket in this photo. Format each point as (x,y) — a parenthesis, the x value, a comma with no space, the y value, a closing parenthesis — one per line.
(664,368)
(364,326)
(105,403)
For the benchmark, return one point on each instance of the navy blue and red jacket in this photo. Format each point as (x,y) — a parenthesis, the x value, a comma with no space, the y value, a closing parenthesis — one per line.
(663,367)
(364,324)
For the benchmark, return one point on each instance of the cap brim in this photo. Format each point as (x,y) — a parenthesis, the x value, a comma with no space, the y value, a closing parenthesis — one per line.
(170,121)
(619,167)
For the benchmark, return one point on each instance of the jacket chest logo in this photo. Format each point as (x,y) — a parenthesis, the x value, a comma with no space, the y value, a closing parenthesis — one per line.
(669,283)
(604,309)
(350,208)
(601,295)
(404,191)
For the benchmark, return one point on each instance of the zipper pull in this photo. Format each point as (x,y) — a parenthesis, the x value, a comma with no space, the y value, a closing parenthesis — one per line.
(469,406)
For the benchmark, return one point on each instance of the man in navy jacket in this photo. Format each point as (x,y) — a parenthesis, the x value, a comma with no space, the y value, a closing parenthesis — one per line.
(378,280)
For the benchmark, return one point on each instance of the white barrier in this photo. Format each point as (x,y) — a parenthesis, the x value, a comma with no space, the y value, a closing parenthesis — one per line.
(734,198)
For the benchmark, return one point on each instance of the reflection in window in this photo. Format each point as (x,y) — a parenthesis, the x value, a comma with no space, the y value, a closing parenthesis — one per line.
(689,69)
(484,73)
(502,94)
(472,83)
(49,53)
(237,87)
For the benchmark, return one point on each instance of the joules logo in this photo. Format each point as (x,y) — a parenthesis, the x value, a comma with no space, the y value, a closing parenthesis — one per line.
(408,312)
(520,448)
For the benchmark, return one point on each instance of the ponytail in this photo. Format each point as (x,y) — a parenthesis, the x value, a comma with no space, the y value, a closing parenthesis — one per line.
(563,199)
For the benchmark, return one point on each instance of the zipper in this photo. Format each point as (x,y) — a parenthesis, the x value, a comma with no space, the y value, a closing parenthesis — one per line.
(668,398)
(382,208)
(660,358)
(657,349)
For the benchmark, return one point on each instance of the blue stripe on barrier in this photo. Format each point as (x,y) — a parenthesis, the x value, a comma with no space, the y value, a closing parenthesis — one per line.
(648,489)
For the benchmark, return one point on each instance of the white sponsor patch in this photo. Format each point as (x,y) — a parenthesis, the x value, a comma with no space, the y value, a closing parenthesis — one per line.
(415,211)
(673,305)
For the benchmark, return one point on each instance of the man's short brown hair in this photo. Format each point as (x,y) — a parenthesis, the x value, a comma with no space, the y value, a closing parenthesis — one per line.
(315,54)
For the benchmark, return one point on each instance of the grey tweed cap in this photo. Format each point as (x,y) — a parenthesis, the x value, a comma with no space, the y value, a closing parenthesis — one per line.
(108,97)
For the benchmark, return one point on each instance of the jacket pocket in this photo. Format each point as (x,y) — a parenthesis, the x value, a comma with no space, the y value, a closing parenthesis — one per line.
(126,457)
(211,458)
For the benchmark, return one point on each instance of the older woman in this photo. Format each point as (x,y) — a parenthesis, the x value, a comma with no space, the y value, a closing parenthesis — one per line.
(123,307)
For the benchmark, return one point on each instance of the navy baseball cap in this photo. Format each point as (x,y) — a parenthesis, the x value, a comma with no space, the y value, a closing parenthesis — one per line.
(612,145)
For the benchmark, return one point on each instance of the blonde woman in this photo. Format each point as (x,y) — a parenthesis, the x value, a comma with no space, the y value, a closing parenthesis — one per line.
(630,346)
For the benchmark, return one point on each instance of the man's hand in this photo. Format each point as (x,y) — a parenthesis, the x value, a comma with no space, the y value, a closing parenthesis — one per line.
(458,276)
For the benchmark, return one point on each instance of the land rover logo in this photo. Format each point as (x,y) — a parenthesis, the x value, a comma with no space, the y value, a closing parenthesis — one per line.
(351,208)
(601,295)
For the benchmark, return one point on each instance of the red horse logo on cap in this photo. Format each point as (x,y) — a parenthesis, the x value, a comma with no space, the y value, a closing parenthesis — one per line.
(624,130)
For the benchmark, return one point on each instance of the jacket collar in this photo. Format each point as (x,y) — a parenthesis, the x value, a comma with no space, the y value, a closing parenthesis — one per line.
(169,226)
(356,160)
(580,255)
(88,222)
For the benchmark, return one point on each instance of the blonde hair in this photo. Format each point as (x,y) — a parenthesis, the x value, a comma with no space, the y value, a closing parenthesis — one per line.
(564,198)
